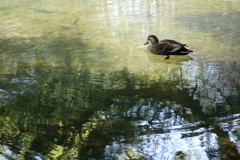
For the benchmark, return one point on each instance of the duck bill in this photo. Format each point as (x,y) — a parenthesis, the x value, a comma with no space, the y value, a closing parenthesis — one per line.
(146,43)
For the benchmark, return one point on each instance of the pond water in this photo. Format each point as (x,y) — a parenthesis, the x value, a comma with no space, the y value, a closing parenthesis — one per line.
(76,81)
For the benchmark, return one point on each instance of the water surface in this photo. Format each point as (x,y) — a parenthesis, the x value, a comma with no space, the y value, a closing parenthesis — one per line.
(76,81)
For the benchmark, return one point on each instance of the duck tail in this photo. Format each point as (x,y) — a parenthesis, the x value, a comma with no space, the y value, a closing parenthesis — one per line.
(184,51)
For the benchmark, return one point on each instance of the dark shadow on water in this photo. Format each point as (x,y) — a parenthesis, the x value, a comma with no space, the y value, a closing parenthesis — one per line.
(87,111)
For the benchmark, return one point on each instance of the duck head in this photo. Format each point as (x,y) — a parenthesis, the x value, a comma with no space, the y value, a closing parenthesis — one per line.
(152,39)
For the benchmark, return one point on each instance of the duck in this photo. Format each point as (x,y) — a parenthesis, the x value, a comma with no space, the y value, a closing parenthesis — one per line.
(166,47)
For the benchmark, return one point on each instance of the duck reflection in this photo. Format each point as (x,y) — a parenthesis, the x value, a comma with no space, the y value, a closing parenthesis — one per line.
(175,59)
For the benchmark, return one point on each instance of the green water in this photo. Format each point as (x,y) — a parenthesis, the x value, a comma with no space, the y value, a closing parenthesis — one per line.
(76,81)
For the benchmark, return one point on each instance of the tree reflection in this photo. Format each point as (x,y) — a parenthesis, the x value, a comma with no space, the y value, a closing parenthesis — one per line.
(104,114)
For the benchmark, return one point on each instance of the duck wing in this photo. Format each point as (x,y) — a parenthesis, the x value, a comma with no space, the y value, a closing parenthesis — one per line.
(169,46)
(173,42)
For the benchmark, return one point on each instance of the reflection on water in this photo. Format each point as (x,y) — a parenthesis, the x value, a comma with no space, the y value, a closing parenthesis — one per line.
(76,81)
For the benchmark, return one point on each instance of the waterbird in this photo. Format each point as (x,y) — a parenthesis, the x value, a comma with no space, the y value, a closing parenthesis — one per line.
(166,47)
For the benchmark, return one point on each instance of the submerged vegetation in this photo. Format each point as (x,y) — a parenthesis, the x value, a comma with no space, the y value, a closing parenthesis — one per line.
(64,114)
